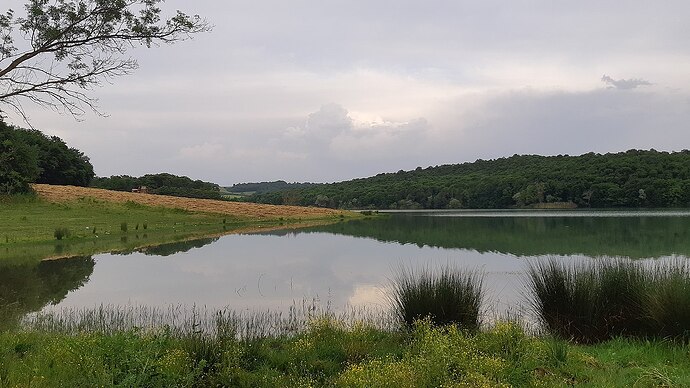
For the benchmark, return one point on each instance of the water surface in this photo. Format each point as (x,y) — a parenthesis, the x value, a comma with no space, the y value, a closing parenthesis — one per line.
(344,264)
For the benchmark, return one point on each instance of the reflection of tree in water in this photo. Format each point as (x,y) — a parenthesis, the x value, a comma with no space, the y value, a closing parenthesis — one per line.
(176,247)
(28,288)
(635,237)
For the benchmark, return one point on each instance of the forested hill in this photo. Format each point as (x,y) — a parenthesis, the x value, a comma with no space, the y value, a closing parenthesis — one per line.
(628,179)
(267,187)
(164,183)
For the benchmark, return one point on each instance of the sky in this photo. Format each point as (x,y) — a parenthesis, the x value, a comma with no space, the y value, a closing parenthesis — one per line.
(324,91)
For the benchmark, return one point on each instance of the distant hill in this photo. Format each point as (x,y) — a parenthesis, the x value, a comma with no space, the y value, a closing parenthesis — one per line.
(267,187)
(627,179)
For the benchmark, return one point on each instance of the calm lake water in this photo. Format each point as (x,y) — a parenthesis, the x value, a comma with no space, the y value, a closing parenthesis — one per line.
(344,264)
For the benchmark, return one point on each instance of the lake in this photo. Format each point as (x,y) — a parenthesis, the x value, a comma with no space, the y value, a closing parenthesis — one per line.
(343,264)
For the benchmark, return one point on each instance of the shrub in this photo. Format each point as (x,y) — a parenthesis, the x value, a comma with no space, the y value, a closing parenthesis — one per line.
(123,227)
(448,296)
(61,233)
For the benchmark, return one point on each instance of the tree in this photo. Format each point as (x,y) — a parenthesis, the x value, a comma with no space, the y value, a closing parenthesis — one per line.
(28,156)
(18,162)
(58,164)
(69,47)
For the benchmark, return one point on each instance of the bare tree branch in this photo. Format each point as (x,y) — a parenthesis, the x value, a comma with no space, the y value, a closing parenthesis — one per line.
(72,46)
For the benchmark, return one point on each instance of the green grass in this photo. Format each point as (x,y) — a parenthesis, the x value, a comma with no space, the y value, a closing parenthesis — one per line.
(330,353)
(30,227)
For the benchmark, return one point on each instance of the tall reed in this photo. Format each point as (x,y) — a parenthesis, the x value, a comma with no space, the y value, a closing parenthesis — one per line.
(446,296)
(668,302)
(589,301)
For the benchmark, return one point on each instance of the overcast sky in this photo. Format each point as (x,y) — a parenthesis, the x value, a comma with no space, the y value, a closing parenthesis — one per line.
(321,91)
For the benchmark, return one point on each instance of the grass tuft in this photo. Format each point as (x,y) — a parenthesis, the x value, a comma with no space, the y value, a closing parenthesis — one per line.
(668,302)
(590,302)
(61,233)
(448,296)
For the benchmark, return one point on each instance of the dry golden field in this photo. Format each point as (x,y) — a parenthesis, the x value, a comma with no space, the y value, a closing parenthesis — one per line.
(55,193)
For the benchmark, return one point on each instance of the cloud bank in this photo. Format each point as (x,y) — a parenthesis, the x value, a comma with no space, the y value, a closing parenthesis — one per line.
(323,91)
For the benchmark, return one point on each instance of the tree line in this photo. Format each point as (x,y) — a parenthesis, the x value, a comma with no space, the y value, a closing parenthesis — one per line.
(267,187)
(163,183)
(29,156)
(635,178)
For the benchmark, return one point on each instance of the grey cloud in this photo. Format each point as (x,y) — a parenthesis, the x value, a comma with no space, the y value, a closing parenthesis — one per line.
(328,122)
(549,123)
(624,84)
(241,103)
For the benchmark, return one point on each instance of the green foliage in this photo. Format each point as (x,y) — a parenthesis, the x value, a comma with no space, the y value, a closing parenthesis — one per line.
(18,162)
(267,187)
(61,233)
(447,297)
(123,227)
(70,46)
(627,179)
(446,356)
(331,354)
(28,156)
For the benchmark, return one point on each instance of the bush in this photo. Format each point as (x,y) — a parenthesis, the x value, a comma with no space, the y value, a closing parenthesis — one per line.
(61,233)
(447,297)
(123,227)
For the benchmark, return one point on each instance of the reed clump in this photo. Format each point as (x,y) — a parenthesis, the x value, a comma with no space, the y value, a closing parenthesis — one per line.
(590,302)
(668,302)
(447,296)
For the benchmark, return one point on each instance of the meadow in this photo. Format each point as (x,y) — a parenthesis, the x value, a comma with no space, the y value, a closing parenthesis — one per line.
(36,227)
(331,352)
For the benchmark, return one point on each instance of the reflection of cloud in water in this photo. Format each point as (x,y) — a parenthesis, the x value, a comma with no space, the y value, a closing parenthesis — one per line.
(368,295)
(264,272)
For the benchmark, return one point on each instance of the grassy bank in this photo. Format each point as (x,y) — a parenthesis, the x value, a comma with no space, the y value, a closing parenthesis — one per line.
(331,353)
(33,228)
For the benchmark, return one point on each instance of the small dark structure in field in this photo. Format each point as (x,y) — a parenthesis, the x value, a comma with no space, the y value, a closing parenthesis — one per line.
(141,189)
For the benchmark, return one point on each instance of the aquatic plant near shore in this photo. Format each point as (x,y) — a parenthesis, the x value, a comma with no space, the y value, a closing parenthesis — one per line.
(668,302)
(595,301)
(448,296)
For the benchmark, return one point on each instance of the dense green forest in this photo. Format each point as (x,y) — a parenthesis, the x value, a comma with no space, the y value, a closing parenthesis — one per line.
(628,179)
(165,184)
(29,156)
(267,187)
